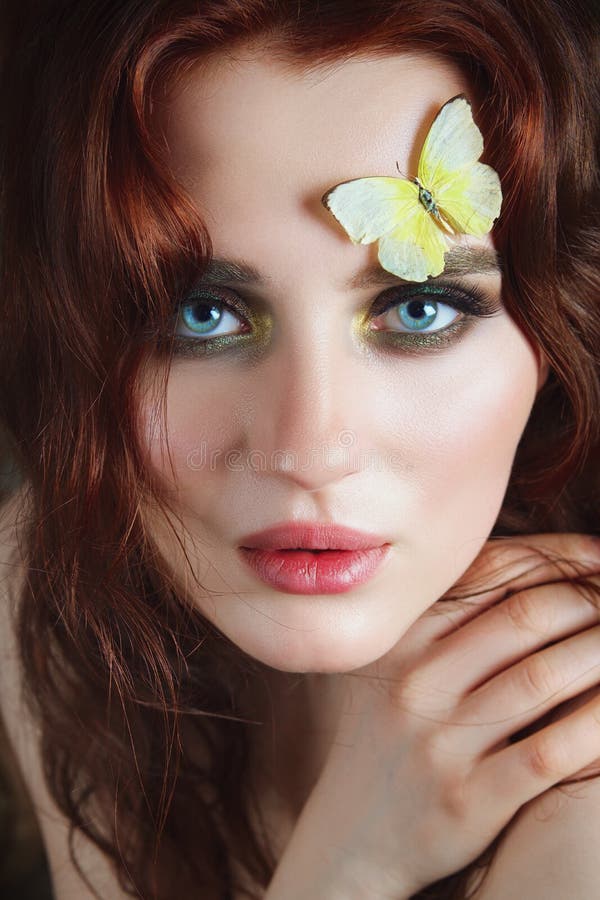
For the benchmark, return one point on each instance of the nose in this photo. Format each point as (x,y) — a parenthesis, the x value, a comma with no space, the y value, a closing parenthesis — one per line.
(308,426)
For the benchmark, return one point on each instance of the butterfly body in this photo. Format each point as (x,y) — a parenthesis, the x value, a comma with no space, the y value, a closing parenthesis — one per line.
(413,219)
(426,198)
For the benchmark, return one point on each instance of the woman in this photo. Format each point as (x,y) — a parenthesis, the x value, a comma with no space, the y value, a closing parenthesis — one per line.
(210,716)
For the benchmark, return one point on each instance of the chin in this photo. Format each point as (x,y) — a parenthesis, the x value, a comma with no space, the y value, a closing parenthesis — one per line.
(306,652)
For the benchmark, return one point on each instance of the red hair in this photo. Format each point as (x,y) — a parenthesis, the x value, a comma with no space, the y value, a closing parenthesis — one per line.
(96,240)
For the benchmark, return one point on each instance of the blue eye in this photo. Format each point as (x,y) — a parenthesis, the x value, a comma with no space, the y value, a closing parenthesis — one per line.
(419,314)
(211,319)
(201,317)
(203,313)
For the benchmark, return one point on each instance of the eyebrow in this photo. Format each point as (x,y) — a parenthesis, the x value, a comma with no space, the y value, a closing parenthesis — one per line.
(459,261)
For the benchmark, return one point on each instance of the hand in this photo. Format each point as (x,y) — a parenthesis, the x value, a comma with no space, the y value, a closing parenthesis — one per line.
(422,774)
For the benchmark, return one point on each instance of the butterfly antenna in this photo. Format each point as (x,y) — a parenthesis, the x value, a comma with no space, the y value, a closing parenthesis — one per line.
(404,175)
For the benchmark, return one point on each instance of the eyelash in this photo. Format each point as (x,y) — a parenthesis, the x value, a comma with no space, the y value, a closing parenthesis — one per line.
(472,303)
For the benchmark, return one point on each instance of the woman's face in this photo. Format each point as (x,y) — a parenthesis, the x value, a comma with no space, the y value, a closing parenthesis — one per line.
(317,406)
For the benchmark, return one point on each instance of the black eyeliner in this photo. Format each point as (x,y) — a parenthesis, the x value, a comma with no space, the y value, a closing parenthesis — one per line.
(224,297)
(251,341)
(471,301)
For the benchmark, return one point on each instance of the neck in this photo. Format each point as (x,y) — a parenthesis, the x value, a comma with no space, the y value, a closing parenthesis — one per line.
(300,714)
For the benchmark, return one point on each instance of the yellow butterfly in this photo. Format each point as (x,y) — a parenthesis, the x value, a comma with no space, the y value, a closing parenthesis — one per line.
(414,219)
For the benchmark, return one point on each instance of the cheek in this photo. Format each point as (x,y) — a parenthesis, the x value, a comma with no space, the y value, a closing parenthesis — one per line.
(200,423)
(472,417)
(450,423)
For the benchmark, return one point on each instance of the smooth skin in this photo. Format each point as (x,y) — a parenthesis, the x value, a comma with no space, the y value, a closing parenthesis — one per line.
(374,786)
(420,777)
(415,444)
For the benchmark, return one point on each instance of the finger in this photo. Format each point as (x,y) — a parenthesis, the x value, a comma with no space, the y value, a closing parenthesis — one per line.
(501,636)
(508,565)
(526,692)
(567,707)
(504,566)
(523,770)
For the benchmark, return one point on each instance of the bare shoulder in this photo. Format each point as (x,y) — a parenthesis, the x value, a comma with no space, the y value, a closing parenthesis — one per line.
(550,849)
(23,735)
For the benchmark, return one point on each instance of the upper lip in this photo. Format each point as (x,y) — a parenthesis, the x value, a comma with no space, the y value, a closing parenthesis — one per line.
(312,536)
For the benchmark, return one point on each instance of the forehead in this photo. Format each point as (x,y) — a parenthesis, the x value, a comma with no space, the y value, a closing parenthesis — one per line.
(349,118)
(257,143)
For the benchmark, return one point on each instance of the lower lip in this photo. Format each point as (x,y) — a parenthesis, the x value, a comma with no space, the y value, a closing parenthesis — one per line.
(303,572)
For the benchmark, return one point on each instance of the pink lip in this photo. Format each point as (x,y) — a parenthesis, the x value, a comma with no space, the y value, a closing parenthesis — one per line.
(312,536)
(284,558)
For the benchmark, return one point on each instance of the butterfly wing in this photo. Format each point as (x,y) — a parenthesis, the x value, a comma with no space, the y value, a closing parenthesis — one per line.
(466,192)
(471,200)
(368,208)
(414,249)
(453,142)
(387,209)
